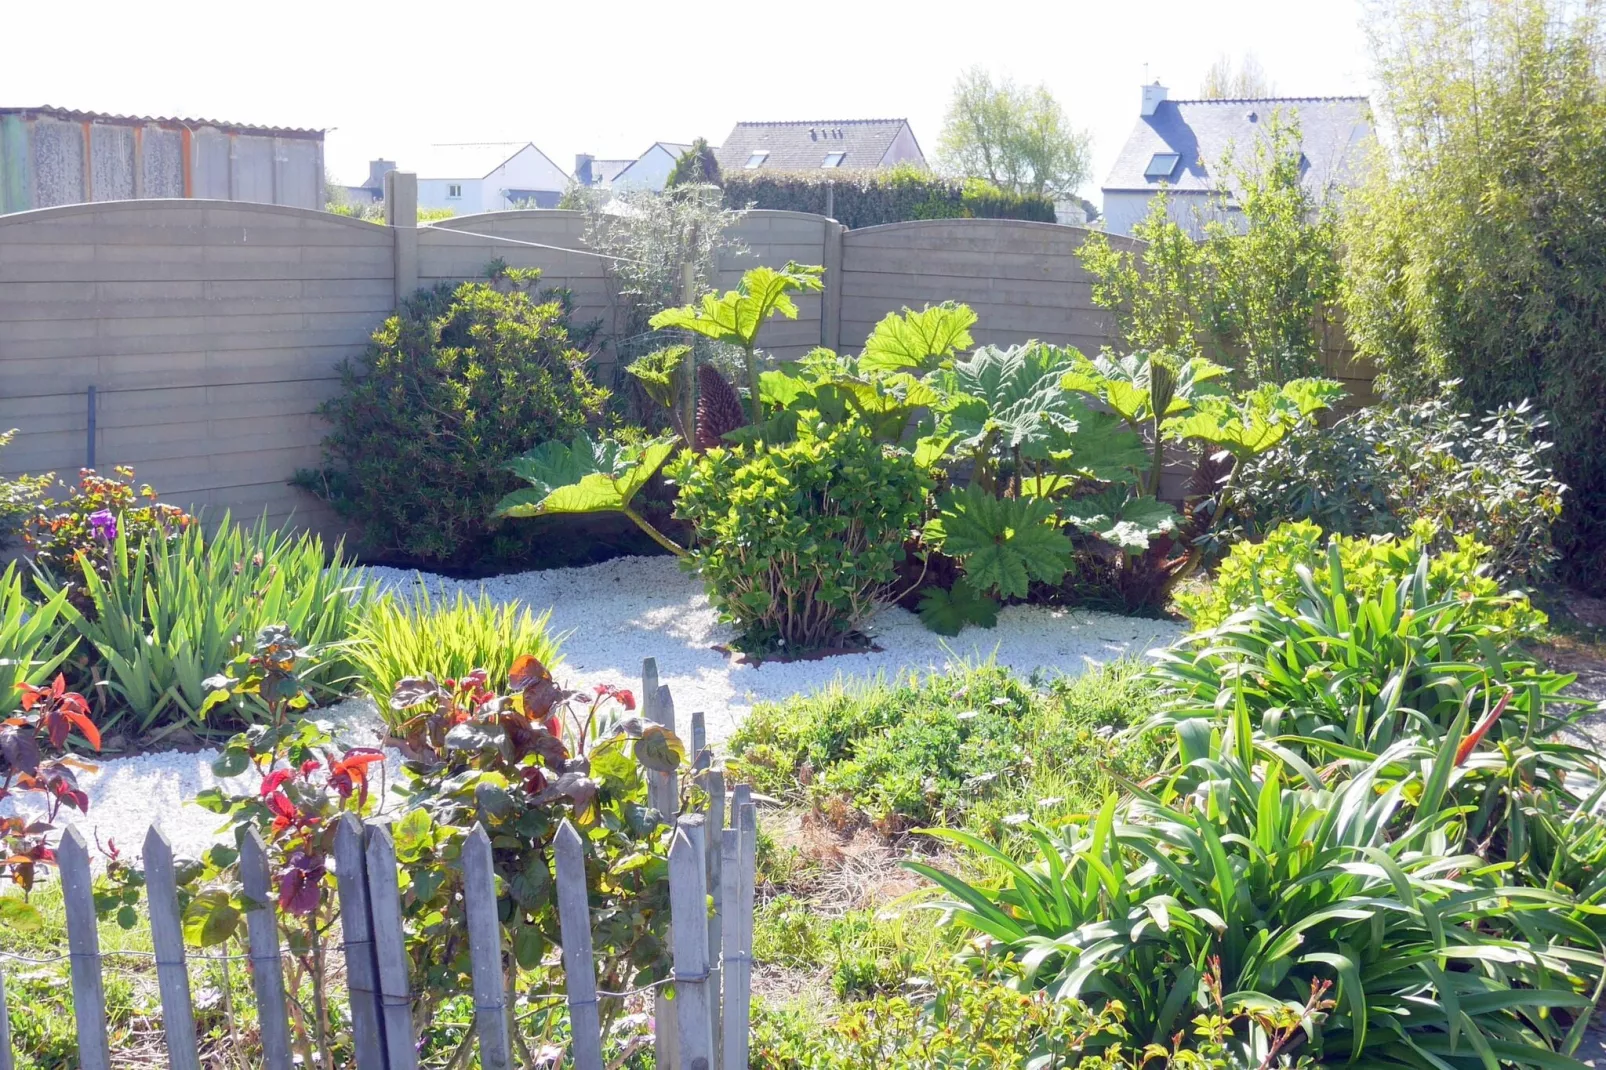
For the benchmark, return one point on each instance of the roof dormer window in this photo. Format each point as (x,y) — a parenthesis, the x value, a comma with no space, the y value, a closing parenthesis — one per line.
(1162,165)
(756,160)
(834,159)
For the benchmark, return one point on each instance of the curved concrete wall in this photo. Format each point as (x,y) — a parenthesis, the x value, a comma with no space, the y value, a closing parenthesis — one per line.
(212,330)
(1023,279)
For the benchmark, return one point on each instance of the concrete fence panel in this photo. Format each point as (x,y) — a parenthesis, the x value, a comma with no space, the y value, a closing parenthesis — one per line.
(209,332)
(1023,279)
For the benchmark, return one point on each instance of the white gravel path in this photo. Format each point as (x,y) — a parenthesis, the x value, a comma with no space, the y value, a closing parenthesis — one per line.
(618,613)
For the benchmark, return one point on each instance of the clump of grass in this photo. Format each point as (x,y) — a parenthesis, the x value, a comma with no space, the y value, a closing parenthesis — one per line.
(400,637)
(972,747)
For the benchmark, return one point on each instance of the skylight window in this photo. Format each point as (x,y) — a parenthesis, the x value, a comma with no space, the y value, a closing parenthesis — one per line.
(834,159)
(1162,165)
(757,159)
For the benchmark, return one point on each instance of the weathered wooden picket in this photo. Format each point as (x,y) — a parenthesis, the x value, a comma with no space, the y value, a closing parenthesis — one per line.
(704,1027)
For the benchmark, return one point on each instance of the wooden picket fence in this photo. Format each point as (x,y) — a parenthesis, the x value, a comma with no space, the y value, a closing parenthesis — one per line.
(705,1026)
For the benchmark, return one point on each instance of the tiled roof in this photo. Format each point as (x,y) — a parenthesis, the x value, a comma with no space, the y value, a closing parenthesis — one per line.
(1335,132)
(69,115)
(605,171)
(803,146)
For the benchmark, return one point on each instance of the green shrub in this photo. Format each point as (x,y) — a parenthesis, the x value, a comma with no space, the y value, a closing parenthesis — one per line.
(798,542)
(893,195)
(170,613)
(1383,469)
(1268,571)
(34,637)
(973,745)
(1332,667)
(462,380)
(1246,288)
(66,536)
(420,636)
(1473,253)
(19,495)
(1356,904)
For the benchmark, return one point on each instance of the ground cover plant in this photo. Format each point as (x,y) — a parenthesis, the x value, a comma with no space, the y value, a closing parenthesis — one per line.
(971,746)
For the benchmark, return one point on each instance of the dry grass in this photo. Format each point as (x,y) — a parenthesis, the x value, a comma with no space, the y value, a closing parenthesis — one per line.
(832,868)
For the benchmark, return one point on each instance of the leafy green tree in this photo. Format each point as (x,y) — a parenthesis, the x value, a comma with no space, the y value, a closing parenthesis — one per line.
(1250,292)
(1159,294)
(1017,138)
(1278,271)
(697,166)
(1475,254)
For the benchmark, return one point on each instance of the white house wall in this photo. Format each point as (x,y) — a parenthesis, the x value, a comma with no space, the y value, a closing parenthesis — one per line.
(527,169)
(433,193)
(1124,209)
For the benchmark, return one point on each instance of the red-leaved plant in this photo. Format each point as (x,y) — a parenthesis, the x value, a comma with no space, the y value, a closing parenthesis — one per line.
(47,717)
(299,784)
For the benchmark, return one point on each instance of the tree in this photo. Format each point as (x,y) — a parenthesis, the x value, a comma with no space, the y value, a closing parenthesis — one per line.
(1017,138)
(1249,293)
(696,166)
(1475,253)
(1247,81)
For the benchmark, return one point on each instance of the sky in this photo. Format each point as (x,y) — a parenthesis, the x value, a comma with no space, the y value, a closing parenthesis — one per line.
(390,78)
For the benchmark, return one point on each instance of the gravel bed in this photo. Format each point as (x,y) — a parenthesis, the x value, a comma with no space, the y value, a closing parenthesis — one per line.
(617,613)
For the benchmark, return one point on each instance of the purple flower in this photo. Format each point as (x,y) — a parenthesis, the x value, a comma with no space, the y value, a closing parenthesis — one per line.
(104,524)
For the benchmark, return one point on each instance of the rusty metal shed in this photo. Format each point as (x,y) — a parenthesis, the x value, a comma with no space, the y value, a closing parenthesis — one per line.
(51,156)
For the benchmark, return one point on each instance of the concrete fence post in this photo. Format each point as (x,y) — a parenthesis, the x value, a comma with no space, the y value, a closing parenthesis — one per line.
(401,213)
(831,298)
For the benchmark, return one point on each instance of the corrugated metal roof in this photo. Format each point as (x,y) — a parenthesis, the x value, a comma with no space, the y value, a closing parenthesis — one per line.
(1334,132)
(803,146)
(72,116)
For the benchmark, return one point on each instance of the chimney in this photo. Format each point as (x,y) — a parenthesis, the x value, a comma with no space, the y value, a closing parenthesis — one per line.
(582,168)
(1152,96)
(377,169)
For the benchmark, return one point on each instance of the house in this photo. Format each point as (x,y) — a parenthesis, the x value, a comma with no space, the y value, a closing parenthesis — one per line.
(1176,143)
(850,144)
(650,170)
(489,177)
(594,173)
(51,156)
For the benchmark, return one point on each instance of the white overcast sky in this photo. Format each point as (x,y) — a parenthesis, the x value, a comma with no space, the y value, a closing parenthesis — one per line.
(610,78)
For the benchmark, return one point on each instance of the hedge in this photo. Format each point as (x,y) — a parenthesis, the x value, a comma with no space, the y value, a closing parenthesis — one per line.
(869,198)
